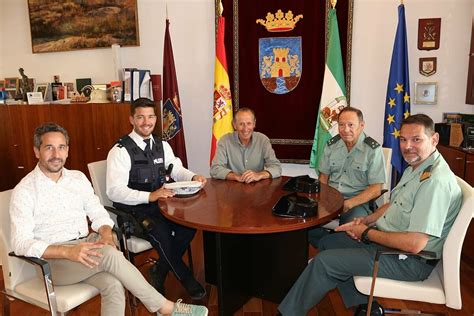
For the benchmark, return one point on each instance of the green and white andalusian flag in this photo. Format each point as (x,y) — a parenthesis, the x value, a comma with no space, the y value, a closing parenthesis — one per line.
(333,95)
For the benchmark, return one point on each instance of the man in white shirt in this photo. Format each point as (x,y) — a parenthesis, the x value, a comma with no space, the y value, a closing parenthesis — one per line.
(137,167)
(49,211)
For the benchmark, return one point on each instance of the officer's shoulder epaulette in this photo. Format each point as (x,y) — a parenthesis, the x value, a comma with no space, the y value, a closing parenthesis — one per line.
(371,142)
(426,174)
(333,140)
(120,143)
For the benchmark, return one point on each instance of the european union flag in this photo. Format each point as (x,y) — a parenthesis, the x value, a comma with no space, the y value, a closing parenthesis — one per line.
(397,106)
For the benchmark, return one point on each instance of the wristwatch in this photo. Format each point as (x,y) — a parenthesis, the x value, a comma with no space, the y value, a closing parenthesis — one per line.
(365,235)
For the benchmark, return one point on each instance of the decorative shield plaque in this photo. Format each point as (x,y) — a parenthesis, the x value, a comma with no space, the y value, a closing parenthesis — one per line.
(280,62)
(427,66)
(429,32)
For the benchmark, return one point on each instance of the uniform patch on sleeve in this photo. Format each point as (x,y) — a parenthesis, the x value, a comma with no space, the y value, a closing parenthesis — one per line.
(426,174)
(371,142)
(333,140)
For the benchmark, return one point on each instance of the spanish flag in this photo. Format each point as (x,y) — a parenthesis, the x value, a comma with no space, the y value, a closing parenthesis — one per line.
(222,110)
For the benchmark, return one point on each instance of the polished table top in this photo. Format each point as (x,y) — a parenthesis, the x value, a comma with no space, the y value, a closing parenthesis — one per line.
(233,207)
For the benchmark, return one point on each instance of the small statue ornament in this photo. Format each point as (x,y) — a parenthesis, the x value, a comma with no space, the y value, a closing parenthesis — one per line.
(25,85)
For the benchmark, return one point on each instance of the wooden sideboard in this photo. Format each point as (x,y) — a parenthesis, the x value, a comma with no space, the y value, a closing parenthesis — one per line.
(93,129)
(462,164)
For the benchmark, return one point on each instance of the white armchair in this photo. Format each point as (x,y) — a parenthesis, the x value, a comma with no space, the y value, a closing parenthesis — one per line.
(385,196)
(29,279)
(132,245)
(443,285)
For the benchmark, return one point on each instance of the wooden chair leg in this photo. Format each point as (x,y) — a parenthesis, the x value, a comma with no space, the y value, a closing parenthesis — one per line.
(6,305)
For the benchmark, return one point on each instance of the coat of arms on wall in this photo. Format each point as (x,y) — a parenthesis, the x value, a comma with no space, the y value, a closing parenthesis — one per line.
(280,58)
(281,62)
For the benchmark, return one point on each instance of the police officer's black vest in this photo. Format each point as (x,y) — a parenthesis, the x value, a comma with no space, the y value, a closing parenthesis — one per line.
(147,172)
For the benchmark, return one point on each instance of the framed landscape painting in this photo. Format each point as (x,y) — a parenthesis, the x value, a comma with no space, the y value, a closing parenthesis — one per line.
(72,24)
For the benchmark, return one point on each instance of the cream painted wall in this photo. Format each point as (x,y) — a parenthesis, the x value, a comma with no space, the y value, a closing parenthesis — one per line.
(192,33)
(375,23)
(2,31)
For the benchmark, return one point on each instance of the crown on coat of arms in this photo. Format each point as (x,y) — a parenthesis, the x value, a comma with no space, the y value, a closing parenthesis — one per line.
(280,22)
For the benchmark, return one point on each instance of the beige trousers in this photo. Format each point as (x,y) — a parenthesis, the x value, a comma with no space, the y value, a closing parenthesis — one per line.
(113,273)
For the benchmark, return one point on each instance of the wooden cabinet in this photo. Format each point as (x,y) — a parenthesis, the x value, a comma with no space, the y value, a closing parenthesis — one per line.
(455,158)
(462,164)
(469,169)
(460,161)
(93,129)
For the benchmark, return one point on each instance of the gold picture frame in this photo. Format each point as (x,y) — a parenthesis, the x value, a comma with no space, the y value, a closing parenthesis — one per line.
(72,25)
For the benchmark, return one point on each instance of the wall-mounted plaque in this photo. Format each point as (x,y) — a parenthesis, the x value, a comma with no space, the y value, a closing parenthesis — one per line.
(429,32)
(426,92)
(427,66)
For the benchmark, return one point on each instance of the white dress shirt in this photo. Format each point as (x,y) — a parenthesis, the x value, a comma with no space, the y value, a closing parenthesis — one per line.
(44,212)
(119,164)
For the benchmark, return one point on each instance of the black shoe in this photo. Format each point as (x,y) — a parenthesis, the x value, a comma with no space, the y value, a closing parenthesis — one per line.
(158,278)
(377,310)
(195,290)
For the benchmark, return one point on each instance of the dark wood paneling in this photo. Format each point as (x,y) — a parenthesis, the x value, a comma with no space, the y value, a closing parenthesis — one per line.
(455,159)
(77,120)
(104,137)
(23,121)
(93,129)
(6,158)
(469,170)
(462,163)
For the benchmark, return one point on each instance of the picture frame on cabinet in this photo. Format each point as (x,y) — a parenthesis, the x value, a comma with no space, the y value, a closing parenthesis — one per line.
(10,94)
(11,83)
(426,92)
(41,87)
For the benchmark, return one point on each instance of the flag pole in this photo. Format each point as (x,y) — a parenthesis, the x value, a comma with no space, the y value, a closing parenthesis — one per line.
(167,10)
(221,8)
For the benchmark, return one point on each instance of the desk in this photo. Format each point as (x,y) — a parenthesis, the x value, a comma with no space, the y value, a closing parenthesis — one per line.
(248,252)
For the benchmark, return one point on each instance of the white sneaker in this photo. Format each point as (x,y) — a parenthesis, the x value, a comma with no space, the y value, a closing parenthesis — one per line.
(181,309)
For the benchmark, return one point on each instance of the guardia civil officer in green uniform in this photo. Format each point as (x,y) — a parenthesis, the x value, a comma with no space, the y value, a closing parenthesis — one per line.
(352,163)
(421,211)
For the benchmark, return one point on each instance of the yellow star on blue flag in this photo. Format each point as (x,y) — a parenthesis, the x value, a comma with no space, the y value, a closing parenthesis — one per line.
(397,104)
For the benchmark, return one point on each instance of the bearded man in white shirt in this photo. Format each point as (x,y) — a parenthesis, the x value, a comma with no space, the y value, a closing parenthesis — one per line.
(49,210)
(137,167)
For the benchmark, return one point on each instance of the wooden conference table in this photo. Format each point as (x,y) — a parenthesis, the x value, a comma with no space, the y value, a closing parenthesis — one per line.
(248,252)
